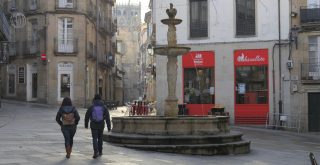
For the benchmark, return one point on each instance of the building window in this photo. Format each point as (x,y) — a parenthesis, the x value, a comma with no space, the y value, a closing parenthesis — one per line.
(66,4)
(198,18)
(199,85)
(246,20)
(65,35)
(21,75)
(251,84)
(33,4)
(314,57)
(33,37)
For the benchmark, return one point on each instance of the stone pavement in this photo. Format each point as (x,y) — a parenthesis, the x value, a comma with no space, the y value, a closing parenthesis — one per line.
(29,135)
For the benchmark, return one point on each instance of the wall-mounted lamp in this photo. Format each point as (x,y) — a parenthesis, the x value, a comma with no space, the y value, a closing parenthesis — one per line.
(294,14)
(150,50)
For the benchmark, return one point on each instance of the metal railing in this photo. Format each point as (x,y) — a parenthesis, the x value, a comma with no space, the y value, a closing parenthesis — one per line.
(310,71)
(310,14)
(66,46)
(286,121)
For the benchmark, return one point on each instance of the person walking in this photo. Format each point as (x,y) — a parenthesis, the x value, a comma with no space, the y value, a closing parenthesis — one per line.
(68,118)
(97,113)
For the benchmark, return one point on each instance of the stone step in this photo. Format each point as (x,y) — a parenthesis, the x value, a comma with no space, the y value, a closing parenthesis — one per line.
(239,147)
(138,139)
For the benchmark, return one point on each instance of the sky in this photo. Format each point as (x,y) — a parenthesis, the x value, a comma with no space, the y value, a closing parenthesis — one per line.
(144,5)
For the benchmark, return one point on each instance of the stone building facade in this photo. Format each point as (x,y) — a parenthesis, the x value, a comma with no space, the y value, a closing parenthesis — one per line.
(302,81)
(64,50)
(128,43)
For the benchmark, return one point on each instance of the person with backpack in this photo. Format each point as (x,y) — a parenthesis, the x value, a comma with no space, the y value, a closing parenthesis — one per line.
(97,113)
(68,118)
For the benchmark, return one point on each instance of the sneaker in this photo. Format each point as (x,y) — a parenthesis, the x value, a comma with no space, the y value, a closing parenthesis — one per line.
(95,156)
(100,153)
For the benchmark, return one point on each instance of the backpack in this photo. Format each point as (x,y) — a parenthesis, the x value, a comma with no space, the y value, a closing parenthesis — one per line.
(97,113)
(68,118)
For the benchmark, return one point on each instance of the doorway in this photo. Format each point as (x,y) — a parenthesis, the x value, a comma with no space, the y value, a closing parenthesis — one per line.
(32,82)
(313,112)
(65,81)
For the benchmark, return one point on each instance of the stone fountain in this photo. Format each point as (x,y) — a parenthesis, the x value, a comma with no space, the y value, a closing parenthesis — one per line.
(171,51)
(204,135)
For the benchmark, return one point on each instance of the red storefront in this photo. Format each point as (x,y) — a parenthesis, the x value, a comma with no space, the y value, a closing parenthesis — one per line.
(251,86)
(198,81)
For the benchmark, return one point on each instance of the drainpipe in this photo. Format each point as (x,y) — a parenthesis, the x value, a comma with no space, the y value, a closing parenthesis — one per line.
(86,65)
(45,49)
(97,15)
(280,74)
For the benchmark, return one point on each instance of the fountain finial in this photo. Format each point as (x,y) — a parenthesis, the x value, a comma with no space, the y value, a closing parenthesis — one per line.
(171,12)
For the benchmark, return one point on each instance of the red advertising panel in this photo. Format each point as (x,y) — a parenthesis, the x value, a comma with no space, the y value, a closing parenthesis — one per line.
(251,57)
(198,59)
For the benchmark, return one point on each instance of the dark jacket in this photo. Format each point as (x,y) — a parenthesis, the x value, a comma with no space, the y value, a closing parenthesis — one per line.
(67,109)
(97,125)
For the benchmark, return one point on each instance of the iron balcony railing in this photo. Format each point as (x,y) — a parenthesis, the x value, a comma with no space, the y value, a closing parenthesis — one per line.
(310,14)
(31,5)
(66,46)
(4,26)
(310,71)
(66,5)
(31,47)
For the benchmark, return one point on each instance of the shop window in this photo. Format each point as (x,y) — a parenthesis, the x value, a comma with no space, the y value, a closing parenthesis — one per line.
(198,18)
(246,19)
(251,85)
(199,85)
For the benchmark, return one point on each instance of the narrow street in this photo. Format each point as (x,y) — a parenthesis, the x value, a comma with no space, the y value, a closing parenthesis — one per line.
(29,135)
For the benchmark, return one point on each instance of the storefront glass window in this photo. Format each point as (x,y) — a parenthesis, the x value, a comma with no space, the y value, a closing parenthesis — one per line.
(199,85)
(251,85)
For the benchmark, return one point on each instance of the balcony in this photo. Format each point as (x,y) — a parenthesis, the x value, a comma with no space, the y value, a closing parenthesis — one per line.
(65,46)
(4,27)
(310,73)
(31,47)
(7,50)
(31,5)
(310,17)
(68,5)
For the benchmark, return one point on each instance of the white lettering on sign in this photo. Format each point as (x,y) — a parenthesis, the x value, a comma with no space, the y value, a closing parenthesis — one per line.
(244,58)
(198,60)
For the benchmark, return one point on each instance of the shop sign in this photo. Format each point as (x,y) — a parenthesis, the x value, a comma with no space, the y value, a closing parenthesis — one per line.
(198,59)
(65,66)
(251,57)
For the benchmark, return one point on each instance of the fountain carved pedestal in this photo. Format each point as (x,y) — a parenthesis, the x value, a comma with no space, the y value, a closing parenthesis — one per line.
(204,135)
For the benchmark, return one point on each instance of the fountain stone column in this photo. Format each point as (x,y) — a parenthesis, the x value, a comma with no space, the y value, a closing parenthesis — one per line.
(171,51)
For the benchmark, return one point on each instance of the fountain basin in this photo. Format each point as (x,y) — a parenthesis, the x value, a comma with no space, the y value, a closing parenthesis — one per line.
(202,135)
(173,21)
(171,51)
(157,125)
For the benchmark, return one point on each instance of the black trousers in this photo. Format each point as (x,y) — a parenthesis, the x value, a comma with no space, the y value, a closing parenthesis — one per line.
(97,140)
